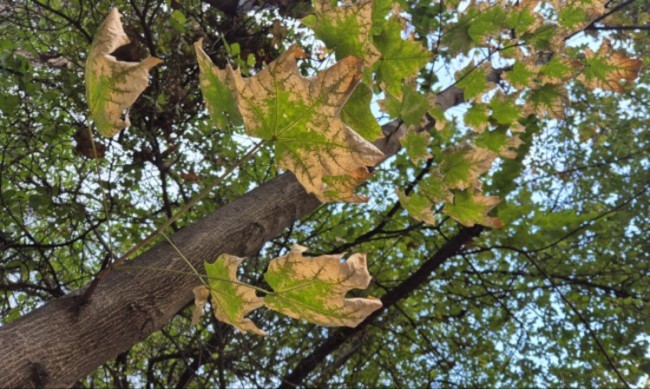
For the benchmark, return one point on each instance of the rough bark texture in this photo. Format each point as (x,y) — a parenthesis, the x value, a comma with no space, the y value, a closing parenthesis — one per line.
(66,339)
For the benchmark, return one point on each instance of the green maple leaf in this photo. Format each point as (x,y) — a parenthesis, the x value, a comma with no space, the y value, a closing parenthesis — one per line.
(417,146)
(461,166)
(356,113)
(231,299)
(477,117)
(216,89)
(345,28)
(456,38)
(470,208)
(499,142)
(411,107)
(547,100)
(504,109)
(520,75)
(418,206)
(400,59)
(314,289)
(112,86)
(473,81)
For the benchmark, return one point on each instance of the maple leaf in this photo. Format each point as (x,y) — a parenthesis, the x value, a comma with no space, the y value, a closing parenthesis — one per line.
(400,59)
(231,299)
(112,86)
(461,166)
(301,117)
(418,206)
(547,100)
(314,289)
(411,107)
(607,68)
(216,89)
(417,144)
(499,142)
(345,28)
(356,113)
(574,15)
(470,208)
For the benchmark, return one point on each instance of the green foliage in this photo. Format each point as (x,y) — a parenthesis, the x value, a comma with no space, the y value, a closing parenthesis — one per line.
(400,59)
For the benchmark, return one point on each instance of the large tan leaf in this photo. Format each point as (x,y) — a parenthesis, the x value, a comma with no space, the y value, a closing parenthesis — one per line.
(112,86)
(301,117)
(231,299)
(314,289)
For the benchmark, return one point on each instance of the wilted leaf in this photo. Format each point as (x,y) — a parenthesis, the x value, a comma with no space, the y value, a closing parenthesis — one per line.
(470,208)
(231,299)
(87,146)
(314,289)
(112,86)
(302,118)
(214,84)
(201,294)
(607,68)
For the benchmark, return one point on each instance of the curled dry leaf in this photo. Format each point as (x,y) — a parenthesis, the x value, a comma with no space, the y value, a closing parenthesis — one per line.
(201,294)
(112,86)
(314,289)
(231,299)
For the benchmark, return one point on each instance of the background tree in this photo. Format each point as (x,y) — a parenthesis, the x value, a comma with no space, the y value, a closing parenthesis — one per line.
(557,296)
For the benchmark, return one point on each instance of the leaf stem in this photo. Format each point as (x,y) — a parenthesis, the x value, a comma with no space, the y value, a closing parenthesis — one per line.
(201,276)
(104,197)
(183,256)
